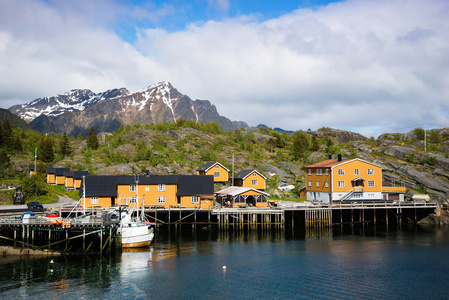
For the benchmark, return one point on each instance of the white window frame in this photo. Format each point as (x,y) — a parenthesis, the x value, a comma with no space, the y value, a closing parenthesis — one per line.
(327,183)
(317,183)
(132,188)
(93,200)
(161,199)
(133,200)
(310,182)
(371,183)
(147,189)
(254,182)
(216,166)
(161,187)
(216,174)
(254,174)
(356,171)
(310,171)
(327,172)
(370,171)
(341,183)
(319,172)
(195,199)
(341,171)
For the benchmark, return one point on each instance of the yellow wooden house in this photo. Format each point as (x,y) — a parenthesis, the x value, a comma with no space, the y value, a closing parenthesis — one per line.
(251,179)
(151,191)
(338,180)
(56,175)
(73,179)
(220,172)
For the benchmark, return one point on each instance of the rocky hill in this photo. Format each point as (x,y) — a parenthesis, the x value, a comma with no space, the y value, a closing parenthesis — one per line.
(13,120)
(78,110)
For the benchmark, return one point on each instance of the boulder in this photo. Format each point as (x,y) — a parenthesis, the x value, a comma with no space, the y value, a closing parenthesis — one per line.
(121,169)
(424,179)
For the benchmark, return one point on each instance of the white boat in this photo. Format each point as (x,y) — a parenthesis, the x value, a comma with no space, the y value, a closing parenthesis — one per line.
(135,232)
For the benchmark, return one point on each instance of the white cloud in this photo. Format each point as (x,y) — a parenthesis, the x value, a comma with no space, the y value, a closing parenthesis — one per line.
(354,64)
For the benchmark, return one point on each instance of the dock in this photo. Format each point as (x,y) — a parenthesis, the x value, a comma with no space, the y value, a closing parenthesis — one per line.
(97,234)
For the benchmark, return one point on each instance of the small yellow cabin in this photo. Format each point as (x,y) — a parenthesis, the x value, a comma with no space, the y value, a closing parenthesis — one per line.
(220,172)
(251,179)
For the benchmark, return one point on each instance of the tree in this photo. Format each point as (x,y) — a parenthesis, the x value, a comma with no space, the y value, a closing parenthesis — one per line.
(435,137)
(4,163)
(46,150)
(419,133)
(92,139)
(315,144)
(64,145)
(33,185)
(5,134)
(300,145)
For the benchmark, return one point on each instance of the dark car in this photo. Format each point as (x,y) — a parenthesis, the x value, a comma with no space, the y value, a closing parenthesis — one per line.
(35,206)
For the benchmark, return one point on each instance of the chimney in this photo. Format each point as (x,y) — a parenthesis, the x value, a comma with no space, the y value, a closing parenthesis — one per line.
(330,156)
(339,157)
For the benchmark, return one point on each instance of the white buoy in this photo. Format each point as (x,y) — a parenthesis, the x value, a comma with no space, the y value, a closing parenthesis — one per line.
(224,268)
(51,261)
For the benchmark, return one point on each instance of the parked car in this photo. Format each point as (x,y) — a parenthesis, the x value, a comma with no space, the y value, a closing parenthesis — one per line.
(35,206)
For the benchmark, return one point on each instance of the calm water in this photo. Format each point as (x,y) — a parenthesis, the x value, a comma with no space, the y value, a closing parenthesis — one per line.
(394,265)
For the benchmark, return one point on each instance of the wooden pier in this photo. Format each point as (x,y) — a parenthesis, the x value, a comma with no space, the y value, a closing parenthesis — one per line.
(97,235)
(74,236)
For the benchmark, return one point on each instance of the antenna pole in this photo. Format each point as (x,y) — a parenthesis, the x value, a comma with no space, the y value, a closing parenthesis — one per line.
(35,158)
(425,137)
(232,167)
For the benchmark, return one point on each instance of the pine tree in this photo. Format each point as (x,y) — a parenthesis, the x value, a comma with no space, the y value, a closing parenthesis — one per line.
(6,135)
(64,145)
(315,145)
(92,139)
(46,150)
(300,145)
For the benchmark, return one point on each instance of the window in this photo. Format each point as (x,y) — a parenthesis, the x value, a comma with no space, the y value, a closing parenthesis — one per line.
(341,184)
(133,200)
(327,172)
(341,171)
(327,183)
(216,174)
(94,200)
(319,171)
(310,182)
(195,199)
(371,196)
(161,199)
(161,188)
(310,171)
(371,183)
(356,171)
(318,183)
(254,182)
(132,188)
(254,174)
(216,166)
(370,171)
(147,189)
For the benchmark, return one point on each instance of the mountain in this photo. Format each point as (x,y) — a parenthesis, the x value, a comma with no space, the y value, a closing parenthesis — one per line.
(13,120)
(78,110)
(280,130)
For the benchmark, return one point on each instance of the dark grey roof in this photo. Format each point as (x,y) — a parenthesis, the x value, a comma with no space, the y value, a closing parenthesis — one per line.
(99,186)
(209,165)
(245,173)
(50,170)
(31,167)
(78,174)
(206,166)
(195,185)
(59,171)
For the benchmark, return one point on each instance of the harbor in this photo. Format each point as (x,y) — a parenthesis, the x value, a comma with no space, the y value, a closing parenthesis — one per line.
(97,232)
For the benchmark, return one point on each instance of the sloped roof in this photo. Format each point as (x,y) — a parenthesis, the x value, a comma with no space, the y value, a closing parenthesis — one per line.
(237,190)
(245,173)
(57,171)
(209,165)
(76,174)
(31,167)
(99,186)
(328,163)
(195,185)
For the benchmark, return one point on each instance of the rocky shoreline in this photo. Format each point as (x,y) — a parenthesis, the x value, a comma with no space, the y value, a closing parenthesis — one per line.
(435,219)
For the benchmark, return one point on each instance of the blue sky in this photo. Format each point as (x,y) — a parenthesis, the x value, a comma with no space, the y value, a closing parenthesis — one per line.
(371,66)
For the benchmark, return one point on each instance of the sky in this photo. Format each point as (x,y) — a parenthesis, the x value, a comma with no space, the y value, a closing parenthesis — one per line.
(369,66)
